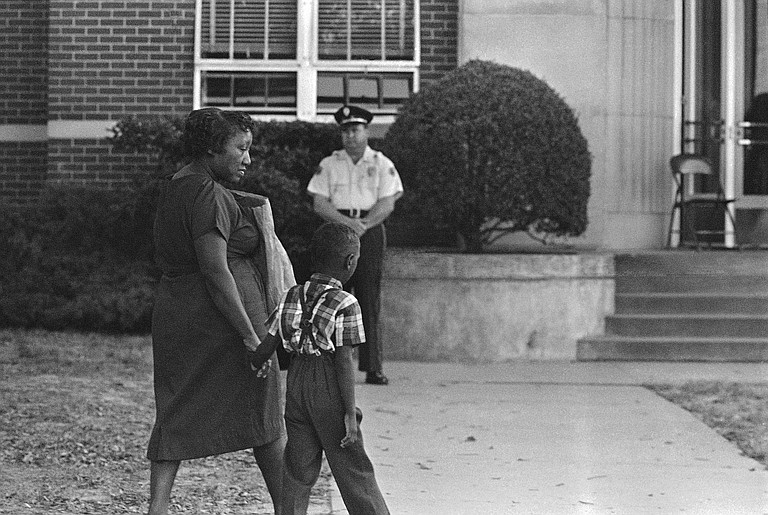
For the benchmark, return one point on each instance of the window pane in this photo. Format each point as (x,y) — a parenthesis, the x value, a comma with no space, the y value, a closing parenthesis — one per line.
(250,91)
(380,92)
(215,28)
(366,29)
(250,19)
(281,91)
(353,30)
(263,29)
(364,92)
(330,91)
(256,92)
(399,30)
(332,29)
(282,29)
(217,91)
(396,90)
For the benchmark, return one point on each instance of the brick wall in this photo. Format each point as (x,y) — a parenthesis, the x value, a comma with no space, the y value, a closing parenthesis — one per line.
(23,54)
(23,96)
(109,59)
(22,170)
(94,163)
(439,38)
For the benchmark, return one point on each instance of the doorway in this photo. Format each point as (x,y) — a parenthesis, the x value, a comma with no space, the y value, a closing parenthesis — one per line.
(724,112)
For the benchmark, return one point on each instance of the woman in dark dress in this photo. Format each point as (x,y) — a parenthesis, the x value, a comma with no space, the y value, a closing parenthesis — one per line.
(210,309)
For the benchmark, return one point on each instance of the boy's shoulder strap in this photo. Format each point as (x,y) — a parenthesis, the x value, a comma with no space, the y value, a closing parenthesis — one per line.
(307,314)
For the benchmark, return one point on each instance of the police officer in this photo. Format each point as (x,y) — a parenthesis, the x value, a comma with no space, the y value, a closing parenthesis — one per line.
(358,186)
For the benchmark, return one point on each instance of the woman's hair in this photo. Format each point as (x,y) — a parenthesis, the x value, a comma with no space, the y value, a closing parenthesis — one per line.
(210,129)
(331,244)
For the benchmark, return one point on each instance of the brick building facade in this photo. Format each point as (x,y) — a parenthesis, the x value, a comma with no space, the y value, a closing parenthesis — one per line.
(73,68)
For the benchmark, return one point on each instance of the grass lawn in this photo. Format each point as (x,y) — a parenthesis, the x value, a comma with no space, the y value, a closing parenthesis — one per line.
(737,411)
(75,417)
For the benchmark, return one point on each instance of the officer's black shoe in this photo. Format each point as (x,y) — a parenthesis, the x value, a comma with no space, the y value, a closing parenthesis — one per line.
(376,378)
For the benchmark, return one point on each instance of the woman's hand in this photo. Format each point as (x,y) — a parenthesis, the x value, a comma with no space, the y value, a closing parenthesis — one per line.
(251,341)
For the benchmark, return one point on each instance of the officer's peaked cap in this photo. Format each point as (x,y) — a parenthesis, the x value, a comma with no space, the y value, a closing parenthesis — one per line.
(352,114)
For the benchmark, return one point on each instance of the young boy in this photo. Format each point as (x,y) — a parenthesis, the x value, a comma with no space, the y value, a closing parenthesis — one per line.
(320,324)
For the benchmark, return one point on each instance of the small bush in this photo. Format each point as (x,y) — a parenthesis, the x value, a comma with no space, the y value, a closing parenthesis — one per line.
(490,149)
(80,259)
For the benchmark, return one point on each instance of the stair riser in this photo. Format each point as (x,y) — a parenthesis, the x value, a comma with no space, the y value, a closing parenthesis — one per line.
(710,327)
(673,263)
(672,351)
(682,305)
(739,284)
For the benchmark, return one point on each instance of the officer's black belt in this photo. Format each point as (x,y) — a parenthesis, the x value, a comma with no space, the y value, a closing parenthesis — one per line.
(354,213)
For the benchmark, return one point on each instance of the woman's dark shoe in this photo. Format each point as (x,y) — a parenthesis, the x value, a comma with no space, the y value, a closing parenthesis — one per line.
(376,378)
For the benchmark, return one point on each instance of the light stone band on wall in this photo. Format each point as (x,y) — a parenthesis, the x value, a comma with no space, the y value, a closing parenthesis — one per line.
(72,129)
(23,133)
(59,129)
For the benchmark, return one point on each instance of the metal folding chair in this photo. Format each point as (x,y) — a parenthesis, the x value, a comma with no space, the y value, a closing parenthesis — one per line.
(685,167)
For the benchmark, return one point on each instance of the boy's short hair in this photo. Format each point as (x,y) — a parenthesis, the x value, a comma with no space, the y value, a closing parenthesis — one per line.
(331,243)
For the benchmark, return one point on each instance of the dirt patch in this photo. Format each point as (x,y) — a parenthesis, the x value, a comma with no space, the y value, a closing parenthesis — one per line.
(75,417)
(737,411)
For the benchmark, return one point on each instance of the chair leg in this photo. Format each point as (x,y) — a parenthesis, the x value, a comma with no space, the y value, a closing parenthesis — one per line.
(671,224)
(676,209)
(733,223)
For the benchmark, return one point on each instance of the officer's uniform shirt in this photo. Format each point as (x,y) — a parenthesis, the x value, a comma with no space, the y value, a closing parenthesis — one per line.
(355,186)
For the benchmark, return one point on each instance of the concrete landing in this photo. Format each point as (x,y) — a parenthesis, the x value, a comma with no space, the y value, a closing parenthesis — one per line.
(552,438)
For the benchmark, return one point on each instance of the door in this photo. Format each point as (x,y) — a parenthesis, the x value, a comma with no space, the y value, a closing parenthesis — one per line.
(725,110)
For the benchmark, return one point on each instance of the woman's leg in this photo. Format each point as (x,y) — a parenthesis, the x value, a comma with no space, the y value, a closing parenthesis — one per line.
(269,458)
(161,477)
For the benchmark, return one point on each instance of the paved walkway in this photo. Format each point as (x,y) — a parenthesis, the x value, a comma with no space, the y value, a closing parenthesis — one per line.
(551,438)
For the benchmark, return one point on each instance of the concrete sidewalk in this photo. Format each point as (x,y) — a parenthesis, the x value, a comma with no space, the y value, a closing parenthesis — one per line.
(551,438)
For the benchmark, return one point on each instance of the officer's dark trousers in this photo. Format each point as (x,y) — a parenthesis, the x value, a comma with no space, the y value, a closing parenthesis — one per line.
(314,419)
(365,284)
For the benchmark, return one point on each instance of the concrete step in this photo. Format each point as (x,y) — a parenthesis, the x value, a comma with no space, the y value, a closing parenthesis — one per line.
(624,348)
(709,305)
(680,303)
(674,262)
(682,325)
(693,283)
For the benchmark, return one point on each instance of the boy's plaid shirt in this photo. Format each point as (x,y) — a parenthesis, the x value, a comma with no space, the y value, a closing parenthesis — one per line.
(336,319)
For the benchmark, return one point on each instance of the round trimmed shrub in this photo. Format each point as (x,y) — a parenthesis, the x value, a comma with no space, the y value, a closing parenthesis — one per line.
(491,149)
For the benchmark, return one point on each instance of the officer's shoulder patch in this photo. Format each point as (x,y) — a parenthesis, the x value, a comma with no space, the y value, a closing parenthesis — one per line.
(392,170)
(318,170)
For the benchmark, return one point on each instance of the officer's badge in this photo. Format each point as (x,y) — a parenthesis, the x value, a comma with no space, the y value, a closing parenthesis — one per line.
(371,171)
(346,111)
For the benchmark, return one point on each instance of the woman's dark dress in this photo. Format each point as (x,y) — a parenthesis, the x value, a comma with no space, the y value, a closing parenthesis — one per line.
(208,400)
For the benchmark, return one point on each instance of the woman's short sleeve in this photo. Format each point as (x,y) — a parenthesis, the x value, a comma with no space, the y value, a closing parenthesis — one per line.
(213,208)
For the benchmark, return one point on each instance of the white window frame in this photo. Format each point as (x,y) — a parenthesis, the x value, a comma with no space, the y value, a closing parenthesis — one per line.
(306,66)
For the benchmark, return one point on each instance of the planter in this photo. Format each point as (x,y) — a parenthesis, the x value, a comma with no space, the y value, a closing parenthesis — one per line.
(439,306)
